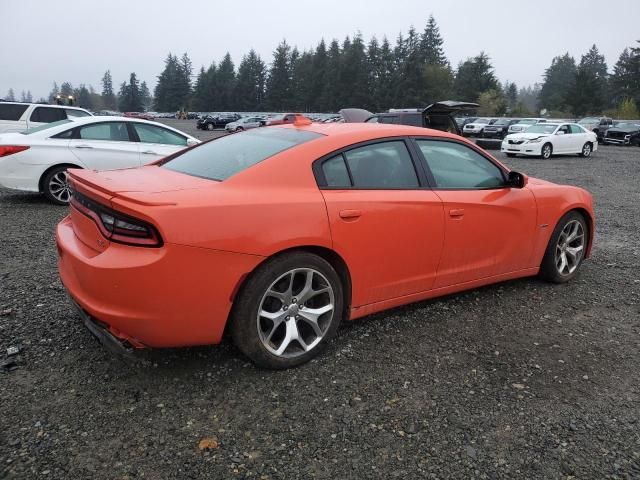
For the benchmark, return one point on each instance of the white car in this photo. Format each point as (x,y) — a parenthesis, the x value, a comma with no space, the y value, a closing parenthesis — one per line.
(546,139)
(17,116)
(36,160)
(525,123)
(244,124)
(475,128)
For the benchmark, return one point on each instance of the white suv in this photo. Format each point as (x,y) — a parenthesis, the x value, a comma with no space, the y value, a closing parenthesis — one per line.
(16,116)
(523,124)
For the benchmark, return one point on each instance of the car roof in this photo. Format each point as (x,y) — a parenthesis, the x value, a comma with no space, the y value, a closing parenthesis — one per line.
(43,105)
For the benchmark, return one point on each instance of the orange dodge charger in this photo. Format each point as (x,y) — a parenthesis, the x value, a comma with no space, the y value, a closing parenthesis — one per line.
(278,234)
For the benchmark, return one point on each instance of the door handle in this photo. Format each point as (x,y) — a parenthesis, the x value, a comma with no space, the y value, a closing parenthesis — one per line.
(149,152)
(456,213)
(350,214)
(84,146)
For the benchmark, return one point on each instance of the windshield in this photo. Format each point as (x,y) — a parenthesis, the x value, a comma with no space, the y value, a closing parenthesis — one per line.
(29,131)
(502,121)
(226,156)
(542,128)
(528,121)
(482,120)
(590,120)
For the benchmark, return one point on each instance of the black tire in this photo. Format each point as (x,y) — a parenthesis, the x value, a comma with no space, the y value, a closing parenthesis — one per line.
(546,151)
(239,129)
(244,323)
(50,183)
(548,268)
(586,150)
(511,155)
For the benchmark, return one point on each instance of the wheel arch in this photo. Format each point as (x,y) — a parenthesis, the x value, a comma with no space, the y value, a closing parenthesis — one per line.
(57,165)
(331,256)
(590,225)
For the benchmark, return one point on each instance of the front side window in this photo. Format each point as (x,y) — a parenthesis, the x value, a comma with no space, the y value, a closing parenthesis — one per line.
(110,131)
(153,134)
(565,129)
(226,156)
(456,166)
(48,115)
(385,165)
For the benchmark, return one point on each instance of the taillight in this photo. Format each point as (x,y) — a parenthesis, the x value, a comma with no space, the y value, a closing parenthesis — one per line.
(117,226)
(6,150)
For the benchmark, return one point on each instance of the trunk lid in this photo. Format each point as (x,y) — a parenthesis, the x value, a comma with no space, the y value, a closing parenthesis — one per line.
(447,107)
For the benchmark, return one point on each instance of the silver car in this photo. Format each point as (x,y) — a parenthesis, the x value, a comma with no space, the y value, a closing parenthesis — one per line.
(244,124)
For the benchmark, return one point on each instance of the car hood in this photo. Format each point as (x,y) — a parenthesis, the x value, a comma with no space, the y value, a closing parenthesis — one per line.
(355,115)
(474,125)
(617,129)
(448,107)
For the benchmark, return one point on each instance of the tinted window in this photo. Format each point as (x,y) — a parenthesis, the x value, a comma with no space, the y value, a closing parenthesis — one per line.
(335,172)
(12,111)
(382,165)
(153,134)
(226,156)
(457,166)
(413,119)
(112,131)
(48,115)
(76,113)
(576,129)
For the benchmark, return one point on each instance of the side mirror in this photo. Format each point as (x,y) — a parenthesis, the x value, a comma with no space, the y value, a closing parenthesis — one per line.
(191,142)
(517,180)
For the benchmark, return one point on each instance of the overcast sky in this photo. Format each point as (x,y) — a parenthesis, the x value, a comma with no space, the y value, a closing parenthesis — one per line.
(42,41)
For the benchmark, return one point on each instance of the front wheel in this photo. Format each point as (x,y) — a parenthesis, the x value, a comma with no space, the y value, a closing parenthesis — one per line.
(55,186)
(586,150)
(288,311)
(547,151)
(565,250)
(239,129)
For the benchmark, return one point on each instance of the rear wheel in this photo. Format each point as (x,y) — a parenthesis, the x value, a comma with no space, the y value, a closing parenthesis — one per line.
(566,249)
(288,310)
(547,151)
(239,129)
(586,150)
(55,186)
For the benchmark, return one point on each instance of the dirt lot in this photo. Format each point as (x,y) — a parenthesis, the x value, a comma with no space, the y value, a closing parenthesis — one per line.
(518,380)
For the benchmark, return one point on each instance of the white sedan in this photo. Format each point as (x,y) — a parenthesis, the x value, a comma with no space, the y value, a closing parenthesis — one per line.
(36,160)
(546,139)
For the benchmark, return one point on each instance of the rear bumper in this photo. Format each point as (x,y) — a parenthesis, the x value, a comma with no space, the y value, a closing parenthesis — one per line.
(154,297)
(20,176)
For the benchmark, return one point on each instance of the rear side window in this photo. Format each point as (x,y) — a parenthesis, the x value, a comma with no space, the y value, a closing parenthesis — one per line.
(385,165)
(456,166)
(576,129)
(12,111)
(226,156)
(48,115)
(335,172)
(153,134)
(111,131)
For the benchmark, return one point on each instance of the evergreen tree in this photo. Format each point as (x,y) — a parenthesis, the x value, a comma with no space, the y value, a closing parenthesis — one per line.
(55,91)
(329,99)
(409,86)
(66,89)
(302,76)
(511,95)
(492,103)
(474,77)
(130,97)
(589,89)
(625,81)
(145,96)
(250,83)
(204,90)
(431,45)
(11,96)
(82,96)
(225,84)
(386,80)
(171,93)
(354,75)
(317,82)
(108,97)
(278,95)
(559,79)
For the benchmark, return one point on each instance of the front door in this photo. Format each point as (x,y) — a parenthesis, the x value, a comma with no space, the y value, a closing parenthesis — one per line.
(488,227)
(157,142)
(388,228)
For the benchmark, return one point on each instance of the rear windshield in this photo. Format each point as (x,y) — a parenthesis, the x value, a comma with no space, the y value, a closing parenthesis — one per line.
(46,126)
(12,111)
(226,156)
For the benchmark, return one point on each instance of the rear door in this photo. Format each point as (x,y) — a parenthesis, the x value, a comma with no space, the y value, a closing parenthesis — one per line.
(488,227)
(385,224)
(105,146)
(563,140)
(156,142)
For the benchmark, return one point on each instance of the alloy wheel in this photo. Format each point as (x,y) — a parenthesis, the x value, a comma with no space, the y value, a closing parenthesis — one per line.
(586,150)
(295,312)
(570,247)
(59,187)
(546,151)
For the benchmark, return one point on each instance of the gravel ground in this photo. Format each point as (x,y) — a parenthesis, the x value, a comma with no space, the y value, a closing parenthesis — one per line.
(517,380)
